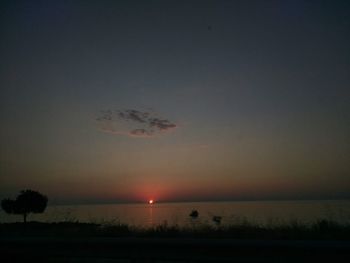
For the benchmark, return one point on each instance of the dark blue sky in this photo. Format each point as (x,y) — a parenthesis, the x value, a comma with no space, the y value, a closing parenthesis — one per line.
(254,96)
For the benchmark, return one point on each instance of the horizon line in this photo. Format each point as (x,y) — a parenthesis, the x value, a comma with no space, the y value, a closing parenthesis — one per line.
(197,201)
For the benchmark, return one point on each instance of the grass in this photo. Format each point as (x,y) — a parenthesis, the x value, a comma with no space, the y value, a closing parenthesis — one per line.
(323,229)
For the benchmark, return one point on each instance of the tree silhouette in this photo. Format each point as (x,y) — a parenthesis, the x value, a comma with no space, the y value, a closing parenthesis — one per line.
(28,201)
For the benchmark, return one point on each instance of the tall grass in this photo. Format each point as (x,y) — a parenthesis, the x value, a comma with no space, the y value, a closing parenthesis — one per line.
(323,229)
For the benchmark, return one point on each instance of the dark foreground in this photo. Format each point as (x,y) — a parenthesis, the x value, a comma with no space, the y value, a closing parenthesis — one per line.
(135,249)
(324,241)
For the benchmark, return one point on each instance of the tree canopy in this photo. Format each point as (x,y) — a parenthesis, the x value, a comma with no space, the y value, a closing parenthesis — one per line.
(28,201)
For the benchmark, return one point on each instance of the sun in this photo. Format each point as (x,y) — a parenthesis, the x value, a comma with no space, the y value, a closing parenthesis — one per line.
(150,201)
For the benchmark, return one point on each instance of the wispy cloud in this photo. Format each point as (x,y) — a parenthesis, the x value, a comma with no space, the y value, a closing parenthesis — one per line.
(132,122)
(162,125)
(133,115)
(140,133)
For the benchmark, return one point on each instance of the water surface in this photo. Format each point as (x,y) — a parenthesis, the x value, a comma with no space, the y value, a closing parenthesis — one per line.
(262,212)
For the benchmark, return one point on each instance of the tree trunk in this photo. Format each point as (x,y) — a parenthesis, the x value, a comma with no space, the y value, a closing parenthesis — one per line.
(25,217)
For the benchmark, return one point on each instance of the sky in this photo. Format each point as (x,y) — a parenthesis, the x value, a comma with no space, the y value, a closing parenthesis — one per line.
(124,101)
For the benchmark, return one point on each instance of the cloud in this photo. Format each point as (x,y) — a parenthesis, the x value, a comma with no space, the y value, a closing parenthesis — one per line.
(132,122)
(162,125)
(141,133)
(133,115)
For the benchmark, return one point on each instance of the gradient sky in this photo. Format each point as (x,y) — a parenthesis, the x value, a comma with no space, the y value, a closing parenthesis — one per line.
(238,100)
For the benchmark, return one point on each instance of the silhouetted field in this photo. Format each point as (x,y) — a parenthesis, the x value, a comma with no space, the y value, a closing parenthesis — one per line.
(322,241)
(319,230)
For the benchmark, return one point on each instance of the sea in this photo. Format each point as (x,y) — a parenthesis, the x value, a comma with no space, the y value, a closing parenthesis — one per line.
(266,213)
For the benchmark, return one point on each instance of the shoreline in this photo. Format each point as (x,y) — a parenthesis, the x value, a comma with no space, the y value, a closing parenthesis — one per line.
(321,230)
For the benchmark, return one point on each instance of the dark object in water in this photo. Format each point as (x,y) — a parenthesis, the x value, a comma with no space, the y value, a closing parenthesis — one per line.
(217,219)
(194,214)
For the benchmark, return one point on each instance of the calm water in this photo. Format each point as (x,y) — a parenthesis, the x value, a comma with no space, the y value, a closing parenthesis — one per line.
(267,212)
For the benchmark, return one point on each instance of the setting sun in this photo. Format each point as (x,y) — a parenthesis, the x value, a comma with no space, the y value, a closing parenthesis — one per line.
(150,201)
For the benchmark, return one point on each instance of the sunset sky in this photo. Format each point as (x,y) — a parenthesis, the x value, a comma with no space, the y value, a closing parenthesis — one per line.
(120,101)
